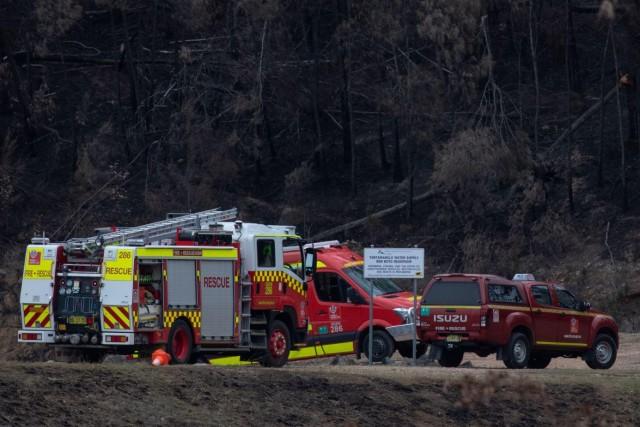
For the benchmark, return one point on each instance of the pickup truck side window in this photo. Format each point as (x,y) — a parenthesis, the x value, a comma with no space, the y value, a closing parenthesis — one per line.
(330,287)
(504,293)
(541,294)
(566,299)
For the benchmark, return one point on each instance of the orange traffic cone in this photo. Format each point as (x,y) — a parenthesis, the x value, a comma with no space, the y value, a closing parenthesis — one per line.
(160,358)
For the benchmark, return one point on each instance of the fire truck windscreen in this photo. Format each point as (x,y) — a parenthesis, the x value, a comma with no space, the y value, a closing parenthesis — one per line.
(380,286)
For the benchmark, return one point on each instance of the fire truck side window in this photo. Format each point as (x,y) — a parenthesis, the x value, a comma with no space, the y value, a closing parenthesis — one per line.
(541,294)
(330,287)
(266,253)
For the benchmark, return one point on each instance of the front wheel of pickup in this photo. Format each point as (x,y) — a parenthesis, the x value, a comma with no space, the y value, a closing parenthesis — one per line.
(517,352)
(603,353)
(451,358)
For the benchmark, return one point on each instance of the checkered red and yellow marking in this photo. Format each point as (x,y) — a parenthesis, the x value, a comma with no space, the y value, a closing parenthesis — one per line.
(279,276)
(194,316)
(115,317)
(36,315)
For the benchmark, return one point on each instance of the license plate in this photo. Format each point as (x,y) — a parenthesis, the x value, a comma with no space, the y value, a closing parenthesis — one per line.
(77,320)
(454,338)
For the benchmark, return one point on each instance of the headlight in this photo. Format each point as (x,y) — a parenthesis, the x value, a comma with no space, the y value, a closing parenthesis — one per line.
(405,314)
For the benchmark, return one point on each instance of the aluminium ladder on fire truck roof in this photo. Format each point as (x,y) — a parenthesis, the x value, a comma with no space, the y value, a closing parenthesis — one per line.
(154,231)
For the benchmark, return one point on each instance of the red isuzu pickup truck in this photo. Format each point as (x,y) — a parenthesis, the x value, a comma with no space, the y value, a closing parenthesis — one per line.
(524,321)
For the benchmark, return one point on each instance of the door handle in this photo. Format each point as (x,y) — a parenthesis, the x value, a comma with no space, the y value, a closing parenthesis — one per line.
(537,311)
(563,314)
(322,312)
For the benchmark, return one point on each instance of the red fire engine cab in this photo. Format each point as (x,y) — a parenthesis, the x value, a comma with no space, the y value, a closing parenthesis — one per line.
(194,284)
(338,305)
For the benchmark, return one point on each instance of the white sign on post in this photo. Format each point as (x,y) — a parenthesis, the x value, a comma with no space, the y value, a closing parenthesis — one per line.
(394,263)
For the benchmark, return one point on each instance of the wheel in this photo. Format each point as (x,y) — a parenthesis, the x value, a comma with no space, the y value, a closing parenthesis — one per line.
(180,344)
(538,361)
(517,352)
(603,353)
(278,345)
(451,358)
(382,346)
(405,349)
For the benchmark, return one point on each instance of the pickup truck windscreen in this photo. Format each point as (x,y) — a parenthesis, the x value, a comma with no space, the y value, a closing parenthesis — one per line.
(380,286)
(453,293)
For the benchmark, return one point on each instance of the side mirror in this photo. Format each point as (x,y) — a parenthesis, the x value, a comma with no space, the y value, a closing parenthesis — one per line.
(354,297)
(310,258)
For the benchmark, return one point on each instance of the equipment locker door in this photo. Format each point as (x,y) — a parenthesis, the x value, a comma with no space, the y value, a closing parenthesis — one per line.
(218,299)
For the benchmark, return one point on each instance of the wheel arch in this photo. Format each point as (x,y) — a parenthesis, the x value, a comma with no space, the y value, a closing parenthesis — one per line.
(606,330)
(524,330)
(288,317)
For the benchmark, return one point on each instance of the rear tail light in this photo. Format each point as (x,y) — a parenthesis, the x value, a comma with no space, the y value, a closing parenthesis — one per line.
(116,338)
(31,337)
(89,320)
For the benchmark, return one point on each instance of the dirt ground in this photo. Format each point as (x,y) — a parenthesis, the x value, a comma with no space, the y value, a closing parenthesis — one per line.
(323,392)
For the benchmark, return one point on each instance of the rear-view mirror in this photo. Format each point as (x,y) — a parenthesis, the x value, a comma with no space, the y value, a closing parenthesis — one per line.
(310,262)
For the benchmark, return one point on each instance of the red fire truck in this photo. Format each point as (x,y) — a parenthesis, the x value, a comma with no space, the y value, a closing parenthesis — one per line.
(338,305)
(194,284)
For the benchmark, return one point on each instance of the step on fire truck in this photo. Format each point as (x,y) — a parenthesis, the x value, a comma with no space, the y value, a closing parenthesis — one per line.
(195,284)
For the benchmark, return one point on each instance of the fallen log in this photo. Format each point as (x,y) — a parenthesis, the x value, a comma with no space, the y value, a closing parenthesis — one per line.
(377,215)
(583,117)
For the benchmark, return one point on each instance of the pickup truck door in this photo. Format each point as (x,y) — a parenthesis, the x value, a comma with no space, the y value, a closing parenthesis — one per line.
(545,315)
(573,325)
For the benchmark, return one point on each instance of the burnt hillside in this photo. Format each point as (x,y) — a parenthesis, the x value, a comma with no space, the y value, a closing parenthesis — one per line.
(316,113)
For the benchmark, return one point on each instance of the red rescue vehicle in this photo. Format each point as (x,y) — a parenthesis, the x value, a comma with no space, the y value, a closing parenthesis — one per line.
(524,321)
(338,304)
(194,284)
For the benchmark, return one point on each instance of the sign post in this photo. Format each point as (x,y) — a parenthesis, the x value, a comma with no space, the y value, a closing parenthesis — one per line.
(393,263)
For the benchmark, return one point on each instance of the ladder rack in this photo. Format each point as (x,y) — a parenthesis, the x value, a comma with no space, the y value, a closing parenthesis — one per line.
(154,231)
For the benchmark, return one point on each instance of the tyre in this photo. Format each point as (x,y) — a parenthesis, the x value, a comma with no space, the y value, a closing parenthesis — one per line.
(278,345)
(603,353)
(451,358)
(405,349)
(517,351)
(180,345)
(383,346)
(538,361)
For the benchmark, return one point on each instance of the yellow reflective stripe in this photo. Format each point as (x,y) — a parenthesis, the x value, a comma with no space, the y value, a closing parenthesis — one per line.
(567,344)
(229,252)
(28,316)
(466,307)
(122,317)
(308,352)
(43,316)
(509,307)
(113,321)
(322,350)
(564,311)
(228,361)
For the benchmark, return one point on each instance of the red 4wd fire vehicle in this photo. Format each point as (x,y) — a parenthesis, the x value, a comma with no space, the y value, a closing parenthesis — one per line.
(526,322)
(338,305)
